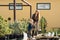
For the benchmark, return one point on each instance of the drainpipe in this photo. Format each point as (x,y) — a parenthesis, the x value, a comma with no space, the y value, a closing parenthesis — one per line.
(30,11)
(26,2)
(14,10)
(29,6)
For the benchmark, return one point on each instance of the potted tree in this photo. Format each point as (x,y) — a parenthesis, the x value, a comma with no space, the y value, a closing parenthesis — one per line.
(43,24)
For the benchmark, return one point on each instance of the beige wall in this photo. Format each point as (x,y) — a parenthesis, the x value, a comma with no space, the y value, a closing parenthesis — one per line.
(52,16)
(5,12)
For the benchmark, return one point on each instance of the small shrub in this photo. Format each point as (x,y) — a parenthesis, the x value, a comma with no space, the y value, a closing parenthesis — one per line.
(4,27)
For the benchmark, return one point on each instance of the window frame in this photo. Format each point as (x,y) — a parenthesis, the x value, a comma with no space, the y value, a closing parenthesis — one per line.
(43,4)
(19,4)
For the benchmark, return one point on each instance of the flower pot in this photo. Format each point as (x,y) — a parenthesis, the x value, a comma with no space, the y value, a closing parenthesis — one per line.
(12,37)
(16,36)
(2,38)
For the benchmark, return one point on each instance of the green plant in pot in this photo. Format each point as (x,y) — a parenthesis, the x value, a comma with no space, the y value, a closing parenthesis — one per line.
(17,31)
(24,24)
(19,27)
(57,31)
(43,24)
(16,28)
(4,27)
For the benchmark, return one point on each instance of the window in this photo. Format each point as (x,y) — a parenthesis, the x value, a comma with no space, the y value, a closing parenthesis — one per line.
(43,6)
(18,6)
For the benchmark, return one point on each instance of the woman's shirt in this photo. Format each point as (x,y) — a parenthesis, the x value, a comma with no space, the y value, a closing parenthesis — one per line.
(35,18)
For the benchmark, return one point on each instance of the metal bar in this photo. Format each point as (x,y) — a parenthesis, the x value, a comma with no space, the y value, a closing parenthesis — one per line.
(30,11)
(14,10)
(25,2)
(4,5)
(19,5)
(13,5)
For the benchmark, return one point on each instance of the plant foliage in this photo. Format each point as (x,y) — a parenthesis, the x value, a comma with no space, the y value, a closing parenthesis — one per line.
(4,27)
(43,24)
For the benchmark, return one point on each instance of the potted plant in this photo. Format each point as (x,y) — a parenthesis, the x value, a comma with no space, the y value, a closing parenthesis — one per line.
(43,24)
(24,24)
(17,31)
(4,28)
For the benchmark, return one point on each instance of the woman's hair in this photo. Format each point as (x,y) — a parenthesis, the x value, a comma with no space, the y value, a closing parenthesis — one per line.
(35,16)
(37,12)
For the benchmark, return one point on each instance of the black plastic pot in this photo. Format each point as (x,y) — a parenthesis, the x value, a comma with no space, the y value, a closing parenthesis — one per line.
(2,38)
(15,36)
(12,36)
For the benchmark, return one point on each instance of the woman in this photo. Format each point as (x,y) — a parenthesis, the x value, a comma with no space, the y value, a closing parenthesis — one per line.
(35,18)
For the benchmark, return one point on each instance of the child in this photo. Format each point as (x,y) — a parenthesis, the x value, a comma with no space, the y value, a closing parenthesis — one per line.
(30,28)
